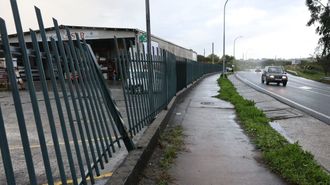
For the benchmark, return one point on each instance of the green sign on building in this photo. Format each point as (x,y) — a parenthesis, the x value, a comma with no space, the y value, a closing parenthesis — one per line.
(143,37)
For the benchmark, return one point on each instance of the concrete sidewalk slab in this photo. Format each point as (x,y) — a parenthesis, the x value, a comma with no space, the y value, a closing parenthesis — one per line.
(217,151)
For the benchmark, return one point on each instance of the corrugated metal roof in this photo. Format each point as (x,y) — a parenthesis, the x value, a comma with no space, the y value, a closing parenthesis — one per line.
(100,28)
(81,27)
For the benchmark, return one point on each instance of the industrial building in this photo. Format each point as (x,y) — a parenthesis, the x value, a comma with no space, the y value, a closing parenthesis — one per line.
(102,42)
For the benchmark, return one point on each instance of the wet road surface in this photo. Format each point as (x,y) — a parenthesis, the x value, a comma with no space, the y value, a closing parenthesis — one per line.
(307,94)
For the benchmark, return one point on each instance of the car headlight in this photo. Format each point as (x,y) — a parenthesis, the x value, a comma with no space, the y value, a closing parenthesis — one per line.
(284,77)
(271,76)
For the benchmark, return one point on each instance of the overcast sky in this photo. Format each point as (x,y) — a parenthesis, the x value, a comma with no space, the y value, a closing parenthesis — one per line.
(270,28)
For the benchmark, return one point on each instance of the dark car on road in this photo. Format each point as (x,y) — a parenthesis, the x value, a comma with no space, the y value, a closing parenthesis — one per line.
(274,74)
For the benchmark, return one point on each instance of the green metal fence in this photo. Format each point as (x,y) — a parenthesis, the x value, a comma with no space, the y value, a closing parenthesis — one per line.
(149,86)
(74,126)
(87,121)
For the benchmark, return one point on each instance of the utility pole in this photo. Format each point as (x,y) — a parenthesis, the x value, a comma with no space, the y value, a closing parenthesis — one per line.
(224,39)
(149,58)
(148,30)
(212,52)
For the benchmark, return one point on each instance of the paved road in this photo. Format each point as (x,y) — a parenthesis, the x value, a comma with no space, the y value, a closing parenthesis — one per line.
(306,94)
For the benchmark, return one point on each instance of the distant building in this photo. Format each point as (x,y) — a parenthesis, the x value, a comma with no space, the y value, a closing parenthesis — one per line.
(295,62)
(102,42)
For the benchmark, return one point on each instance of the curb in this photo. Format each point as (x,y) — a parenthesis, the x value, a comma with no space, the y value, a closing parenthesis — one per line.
(292,72)
(322,117)
(129,171)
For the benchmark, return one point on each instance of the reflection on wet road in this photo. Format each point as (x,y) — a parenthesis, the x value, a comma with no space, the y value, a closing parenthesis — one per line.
(307,93)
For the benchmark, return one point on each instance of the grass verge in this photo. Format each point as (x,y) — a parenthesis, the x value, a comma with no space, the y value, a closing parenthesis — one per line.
(289,160)
(171,142)
(315,73)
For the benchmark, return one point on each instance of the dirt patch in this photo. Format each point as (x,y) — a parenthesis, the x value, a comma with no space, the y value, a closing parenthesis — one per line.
(169,144)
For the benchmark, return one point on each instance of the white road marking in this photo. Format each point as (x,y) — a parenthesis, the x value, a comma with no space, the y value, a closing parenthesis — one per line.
(309,90)
(305,88)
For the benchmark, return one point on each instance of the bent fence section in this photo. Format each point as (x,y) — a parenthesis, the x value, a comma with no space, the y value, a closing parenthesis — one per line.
(73,125)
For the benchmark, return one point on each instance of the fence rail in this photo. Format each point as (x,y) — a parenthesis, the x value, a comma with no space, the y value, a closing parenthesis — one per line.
(149,86)
(71,127)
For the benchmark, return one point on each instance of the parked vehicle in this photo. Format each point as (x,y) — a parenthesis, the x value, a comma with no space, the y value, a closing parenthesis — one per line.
(229,69)
(274,74)
(138,81)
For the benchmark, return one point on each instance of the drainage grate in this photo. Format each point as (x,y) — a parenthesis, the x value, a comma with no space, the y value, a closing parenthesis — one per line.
(207,103)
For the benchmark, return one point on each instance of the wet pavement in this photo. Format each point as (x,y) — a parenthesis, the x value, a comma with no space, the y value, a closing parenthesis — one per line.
(296,126)
(216,149)
(15,144)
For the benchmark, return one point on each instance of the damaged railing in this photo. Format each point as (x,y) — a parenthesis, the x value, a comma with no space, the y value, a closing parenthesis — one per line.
(66,131)
(85,127)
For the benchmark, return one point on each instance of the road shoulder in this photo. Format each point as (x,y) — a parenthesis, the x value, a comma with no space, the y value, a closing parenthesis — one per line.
(296,126)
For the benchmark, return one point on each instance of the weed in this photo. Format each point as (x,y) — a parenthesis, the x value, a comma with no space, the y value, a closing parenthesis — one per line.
(289,160)
(171,142)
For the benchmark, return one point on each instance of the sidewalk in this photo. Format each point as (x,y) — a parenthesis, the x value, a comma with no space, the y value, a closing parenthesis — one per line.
(216,149)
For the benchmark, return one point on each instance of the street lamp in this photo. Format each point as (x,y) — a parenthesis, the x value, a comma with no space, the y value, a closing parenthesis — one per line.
(235,44)
(224,38)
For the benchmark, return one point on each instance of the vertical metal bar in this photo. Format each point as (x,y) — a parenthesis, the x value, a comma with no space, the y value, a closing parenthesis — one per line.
(152,79)
(103,91)
(131,73)
(93,89)
(73,97)
(18,104)
(56,95)
(110,103)
(95,86)
(136,59)
(130,92)
(5,153)
(154,65)
(68,110)
(48,106)
(99,108)
(145,85)
(95,96)
(138,81)
(89,139)
(124,86)
(85,87)
(33,96)
(97,121)
(147,81)
(80,53)
(164,79)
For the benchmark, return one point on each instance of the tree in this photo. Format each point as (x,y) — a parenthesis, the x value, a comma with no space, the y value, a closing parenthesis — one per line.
(215,58)
(229,60)
(201,58)
(320,16)
(208,59)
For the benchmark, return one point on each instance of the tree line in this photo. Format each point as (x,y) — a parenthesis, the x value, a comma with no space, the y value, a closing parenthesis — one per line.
(320,17)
